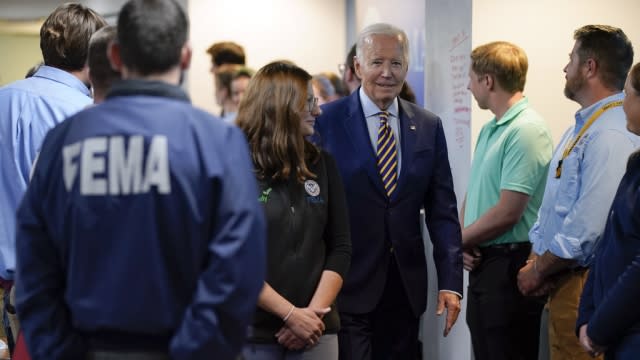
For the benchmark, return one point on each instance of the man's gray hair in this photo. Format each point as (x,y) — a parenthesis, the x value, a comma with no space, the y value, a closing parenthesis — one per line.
(382,29)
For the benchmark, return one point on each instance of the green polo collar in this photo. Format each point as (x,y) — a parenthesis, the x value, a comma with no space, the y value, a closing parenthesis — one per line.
(513,112)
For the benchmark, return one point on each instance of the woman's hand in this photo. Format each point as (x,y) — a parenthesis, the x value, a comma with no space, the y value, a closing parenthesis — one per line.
(306,323)
(289,340)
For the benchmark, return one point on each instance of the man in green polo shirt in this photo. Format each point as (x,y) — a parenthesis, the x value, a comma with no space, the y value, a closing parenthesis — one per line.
(507,183)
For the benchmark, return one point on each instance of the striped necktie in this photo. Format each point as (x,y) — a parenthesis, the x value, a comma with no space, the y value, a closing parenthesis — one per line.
(387,154)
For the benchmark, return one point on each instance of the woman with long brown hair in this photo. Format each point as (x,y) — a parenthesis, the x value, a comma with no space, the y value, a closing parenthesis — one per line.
(309,248)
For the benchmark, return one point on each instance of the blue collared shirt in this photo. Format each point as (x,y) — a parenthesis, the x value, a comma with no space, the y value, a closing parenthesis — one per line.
(575,206)
(28,109)
(371,112)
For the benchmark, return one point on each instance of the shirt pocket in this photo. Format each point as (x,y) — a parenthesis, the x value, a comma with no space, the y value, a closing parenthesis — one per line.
(569,185)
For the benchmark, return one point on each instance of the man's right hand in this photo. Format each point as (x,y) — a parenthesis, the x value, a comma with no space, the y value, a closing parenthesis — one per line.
(471,258)
(530,281)
(588,345)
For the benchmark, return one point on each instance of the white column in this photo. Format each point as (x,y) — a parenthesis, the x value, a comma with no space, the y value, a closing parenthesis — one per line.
(448,44)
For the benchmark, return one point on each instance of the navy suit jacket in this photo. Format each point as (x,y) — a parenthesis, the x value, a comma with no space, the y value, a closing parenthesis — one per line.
(383,227)
(609,301)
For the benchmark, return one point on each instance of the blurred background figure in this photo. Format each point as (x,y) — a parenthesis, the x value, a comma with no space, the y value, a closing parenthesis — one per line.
(101,74)
(349,77)
(336,81)
(239,84)
(308,238)
(226,52)
(407,93)
(33,70)
(223,78)
(226,58)
(323,88)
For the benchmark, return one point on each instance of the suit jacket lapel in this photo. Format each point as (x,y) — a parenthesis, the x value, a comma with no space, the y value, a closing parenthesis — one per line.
(356,127)
(407,142)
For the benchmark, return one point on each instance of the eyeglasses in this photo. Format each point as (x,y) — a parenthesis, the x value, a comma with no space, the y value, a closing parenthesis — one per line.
(342,68)
(312,103)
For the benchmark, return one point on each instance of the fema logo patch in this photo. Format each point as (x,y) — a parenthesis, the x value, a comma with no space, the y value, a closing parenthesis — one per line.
(312,188)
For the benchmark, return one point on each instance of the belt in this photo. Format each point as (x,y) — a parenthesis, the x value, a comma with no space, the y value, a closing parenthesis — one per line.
(505,249)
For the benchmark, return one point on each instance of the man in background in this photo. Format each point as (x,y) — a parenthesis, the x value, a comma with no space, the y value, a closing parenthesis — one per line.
(508,176)
(30,107)
(101,74)
(584,174)
(239,84)
(226,52)
(224,98)
(349,77)
(226,58)
(133,239)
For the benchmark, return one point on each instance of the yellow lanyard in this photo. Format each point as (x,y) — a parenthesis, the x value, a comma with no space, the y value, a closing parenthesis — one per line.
(585,127)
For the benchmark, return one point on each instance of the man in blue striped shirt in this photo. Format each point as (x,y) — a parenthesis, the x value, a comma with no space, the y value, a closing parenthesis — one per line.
(584,174)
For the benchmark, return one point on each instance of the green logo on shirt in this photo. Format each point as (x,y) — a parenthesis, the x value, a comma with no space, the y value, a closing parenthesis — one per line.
(264,197)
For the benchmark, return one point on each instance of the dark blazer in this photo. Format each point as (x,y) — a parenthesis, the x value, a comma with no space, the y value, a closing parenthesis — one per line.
(609,301)
(382,227)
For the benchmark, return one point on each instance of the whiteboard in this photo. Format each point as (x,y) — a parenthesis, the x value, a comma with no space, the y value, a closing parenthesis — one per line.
(448,45)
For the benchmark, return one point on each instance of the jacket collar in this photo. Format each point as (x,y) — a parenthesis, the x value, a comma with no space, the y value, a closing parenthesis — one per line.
(148,88)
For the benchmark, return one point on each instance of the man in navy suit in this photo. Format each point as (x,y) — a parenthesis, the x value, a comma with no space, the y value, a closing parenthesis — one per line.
(392,156)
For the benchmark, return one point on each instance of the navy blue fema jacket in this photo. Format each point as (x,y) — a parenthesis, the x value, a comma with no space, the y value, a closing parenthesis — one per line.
(140,230)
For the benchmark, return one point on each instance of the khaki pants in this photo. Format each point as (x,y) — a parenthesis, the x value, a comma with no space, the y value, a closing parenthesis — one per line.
(563,314)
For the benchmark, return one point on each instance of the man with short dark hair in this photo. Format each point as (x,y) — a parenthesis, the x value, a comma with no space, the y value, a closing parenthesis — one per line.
(140,236)
(584,174)
(101,74)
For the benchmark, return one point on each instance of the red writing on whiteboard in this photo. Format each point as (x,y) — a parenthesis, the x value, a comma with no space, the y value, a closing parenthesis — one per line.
(458,39)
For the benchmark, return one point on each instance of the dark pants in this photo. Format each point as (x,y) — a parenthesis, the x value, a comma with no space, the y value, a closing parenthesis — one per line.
(389,332)
(504,324)
(627,349)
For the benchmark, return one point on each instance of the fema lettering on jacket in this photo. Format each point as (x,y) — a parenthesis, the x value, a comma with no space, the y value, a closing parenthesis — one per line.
(117,165)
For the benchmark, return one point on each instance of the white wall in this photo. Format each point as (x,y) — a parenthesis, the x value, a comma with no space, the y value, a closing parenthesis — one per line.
(448,43)
(312,33)
(544,29)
